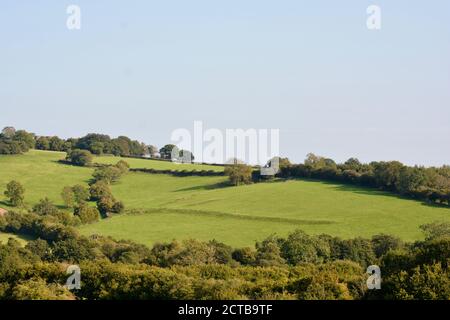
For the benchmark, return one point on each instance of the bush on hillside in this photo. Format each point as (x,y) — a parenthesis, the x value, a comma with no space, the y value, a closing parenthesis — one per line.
(80,157)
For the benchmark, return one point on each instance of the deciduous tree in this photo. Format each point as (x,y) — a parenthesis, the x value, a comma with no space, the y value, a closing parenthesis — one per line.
(15,192)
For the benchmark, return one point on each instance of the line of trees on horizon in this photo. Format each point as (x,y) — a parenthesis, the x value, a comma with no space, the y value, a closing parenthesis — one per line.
(418,182)
(14,141)
(425,183)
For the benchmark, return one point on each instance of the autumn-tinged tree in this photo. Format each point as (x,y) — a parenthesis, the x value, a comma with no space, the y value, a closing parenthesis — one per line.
(87,214)
(81,194)
(123,166)
(75,196)
(239,174)
(99,190)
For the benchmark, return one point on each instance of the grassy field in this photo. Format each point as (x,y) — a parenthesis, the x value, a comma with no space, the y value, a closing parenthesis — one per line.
(41,175)
(5,236)
(168,207)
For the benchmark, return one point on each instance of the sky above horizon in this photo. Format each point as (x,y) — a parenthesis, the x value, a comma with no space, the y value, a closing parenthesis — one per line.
(309,68)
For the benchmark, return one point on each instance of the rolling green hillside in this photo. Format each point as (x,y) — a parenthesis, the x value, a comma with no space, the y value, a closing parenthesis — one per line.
(165,207)
(41,175)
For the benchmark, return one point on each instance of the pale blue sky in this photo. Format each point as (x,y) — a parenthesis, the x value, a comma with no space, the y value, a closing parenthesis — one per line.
(309,68)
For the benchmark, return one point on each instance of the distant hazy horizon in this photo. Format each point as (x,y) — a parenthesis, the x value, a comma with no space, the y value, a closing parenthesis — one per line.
(312,70)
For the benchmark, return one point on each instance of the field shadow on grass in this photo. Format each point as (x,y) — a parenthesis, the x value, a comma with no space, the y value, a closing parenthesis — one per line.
(374,191)
(232,216)
(69,164)
(224,184)
(219,185)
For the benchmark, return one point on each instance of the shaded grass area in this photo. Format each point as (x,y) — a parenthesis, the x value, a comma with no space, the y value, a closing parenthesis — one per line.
(22,239)
(230,216)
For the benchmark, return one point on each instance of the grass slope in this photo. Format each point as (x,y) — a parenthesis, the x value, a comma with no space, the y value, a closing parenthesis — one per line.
(41,175)
(171,207)
(21,239)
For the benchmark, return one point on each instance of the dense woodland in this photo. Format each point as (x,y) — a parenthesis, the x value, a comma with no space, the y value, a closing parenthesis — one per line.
(15,142)
(299,266)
